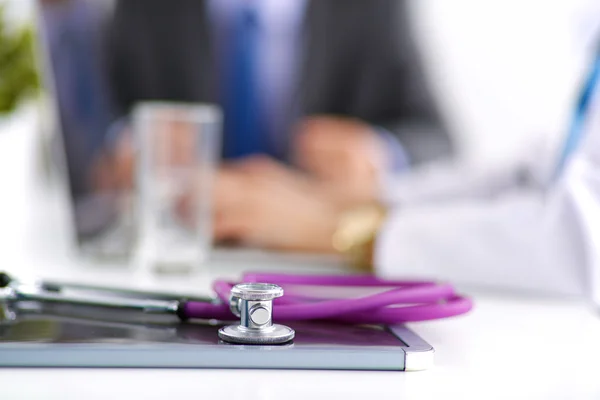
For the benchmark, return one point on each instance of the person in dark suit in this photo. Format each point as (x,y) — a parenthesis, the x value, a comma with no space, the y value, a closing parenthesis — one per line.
(335,87)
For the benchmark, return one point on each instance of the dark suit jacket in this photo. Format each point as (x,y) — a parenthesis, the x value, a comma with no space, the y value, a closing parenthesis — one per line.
(359,60)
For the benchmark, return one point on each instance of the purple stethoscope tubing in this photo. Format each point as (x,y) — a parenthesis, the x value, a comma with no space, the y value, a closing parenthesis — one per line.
(401,301)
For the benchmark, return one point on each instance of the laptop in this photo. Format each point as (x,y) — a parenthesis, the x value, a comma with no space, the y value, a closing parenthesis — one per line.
(73,44)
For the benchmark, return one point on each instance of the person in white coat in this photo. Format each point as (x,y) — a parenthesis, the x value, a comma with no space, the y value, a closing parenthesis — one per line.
(532,225)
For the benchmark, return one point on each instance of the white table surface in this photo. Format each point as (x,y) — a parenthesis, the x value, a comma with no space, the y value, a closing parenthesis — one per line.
(509,346)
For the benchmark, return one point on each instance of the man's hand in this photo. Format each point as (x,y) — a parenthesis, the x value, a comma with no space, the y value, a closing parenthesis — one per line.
(171,144)
(264,204)
(114,169)
(345,154)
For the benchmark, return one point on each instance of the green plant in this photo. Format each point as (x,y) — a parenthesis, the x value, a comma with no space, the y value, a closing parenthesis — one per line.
(18,73)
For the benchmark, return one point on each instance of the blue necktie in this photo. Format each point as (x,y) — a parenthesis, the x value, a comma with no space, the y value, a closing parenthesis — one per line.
(577,128)
(244,133)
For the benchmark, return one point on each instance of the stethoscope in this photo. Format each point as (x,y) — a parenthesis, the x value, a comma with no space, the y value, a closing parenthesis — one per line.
(253,302)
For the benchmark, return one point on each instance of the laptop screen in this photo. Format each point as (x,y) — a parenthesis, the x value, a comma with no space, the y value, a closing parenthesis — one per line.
(74,37)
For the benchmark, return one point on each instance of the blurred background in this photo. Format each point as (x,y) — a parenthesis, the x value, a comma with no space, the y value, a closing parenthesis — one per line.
(504,73)
(491,62)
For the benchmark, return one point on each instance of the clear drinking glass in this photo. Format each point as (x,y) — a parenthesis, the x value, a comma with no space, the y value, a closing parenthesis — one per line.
(178,150)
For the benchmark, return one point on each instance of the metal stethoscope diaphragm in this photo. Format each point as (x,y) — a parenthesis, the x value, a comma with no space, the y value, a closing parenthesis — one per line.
(253,304)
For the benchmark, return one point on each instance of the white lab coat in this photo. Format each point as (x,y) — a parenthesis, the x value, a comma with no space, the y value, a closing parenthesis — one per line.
(510,227)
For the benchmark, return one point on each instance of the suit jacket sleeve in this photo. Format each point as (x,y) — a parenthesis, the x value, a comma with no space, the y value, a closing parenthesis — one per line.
(394,79)
(160,50)
(365,63)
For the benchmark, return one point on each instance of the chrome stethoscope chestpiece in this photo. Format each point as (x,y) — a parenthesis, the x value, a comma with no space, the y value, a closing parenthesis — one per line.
(253,304)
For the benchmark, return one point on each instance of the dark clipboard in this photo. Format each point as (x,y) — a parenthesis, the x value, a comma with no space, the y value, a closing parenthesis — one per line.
(89,338)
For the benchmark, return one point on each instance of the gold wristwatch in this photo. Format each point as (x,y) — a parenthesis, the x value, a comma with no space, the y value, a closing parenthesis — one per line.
(356,232)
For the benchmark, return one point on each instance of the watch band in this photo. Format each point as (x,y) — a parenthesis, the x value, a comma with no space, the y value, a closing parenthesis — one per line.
(356,233)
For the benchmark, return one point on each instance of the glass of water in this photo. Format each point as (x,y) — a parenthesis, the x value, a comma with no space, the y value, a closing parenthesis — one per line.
(178,152)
